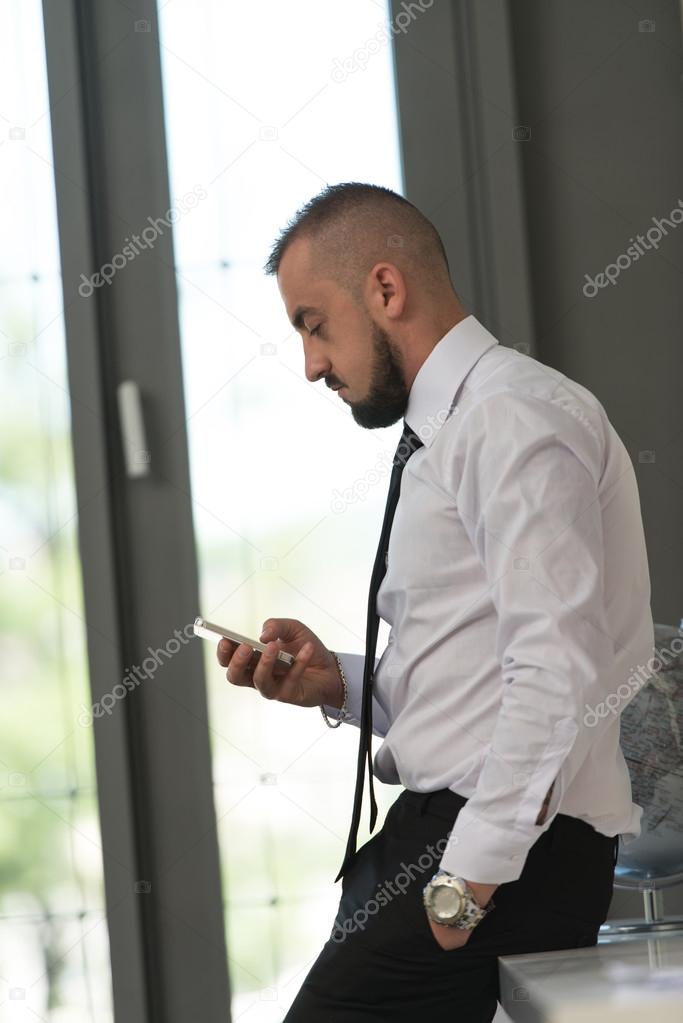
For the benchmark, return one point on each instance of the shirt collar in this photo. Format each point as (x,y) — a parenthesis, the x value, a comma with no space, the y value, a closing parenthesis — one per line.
(438,379)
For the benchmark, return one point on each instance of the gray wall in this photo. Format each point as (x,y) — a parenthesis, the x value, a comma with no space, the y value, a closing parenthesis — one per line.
(603,100)
(541,137)
(605,157)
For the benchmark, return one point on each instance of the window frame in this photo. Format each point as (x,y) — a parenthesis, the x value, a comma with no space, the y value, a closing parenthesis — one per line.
(152,753)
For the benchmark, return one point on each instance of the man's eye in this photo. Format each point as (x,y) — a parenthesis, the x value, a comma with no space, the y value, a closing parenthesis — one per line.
(315,330)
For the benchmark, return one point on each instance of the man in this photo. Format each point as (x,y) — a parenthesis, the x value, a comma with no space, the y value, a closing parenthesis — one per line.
(517,592)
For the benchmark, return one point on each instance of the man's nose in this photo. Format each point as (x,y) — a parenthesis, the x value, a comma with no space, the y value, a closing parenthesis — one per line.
(316,366)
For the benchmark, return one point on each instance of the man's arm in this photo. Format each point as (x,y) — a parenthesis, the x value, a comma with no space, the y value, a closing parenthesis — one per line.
(528,500)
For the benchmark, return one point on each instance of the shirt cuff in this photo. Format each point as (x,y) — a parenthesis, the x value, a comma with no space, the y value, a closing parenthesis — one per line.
(353,665)
(484,853)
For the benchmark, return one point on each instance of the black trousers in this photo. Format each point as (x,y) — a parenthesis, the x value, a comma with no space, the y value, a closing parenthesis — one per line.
(382,962)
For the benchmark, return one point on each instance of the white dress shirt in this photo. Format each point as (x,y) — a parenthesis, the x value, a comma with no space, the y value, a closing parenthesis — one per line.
(518,598)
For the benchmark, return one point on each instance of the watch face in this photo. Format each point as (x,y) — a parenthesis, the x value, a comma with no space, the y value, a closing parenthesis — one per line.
(446,901)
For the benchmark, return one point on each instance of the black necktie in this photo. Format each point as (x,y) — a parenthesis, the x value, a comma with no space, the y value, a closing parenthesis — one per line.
(408,443)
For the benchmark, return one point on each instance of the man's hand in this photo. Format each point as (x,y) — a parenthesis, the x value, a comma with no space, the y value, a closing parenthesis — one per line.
(449,937)
(313,678)
(456,937)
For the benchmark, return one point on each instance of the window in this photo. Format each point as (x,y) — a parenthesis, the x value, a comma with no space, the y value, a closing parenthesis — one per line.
(263,109)
(54,955)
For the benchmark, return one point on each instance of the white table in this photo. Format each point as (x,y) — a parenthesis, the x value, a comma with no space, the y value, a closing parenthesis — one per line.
(629,980)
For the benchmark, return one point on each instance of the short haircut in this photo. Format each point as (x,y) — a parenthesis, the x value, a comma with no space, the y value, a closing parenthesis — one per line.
(352,226)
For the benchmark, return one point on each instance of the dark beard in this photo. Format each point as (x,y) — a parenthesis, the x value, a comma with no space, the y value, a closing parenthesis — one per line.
(387,400)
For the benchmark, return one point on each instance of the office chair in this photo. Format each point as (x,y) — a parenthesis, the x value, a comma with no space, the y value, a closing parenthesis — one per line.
(652,743)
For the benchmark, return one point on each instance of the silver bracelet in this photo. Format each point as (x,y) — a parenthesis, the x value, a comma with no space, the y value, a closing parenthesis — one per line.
(342,710)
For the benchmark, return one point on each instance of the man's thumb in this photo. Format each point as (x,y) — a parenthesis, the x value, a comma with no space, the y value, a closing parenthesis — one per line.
(277,628)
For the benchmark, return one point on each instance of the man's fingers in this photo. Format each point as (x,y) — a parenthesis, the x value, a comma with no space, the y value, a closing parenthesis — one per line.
(264,673)
(269,684)
(224,652)
(240,665)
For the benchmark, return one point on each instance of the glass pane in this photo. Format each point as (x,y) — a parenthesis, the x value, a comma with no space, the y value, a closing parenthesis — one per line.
(54,955)
(259,120)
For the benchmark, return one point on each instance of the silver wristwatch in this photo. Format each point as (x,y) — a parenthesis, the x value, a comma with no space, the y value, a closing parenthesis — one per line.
(449,900)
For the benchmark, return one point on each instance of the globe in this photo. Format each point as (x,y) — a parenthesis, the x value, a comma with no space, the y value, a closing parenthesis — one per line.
(652,743)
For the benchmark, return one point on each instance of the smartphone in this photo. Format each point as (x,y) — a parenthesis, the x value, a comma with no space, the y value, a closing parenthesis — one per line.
(207,630)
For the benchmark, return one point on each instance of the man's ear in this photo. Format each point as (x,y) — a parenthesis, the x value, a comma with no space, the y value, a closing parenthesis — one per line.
(386,291)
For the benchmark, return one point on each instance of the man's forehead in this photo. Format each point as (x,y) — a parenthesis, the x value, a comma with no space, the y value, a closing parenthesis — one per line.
(307,298)
(303,289)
